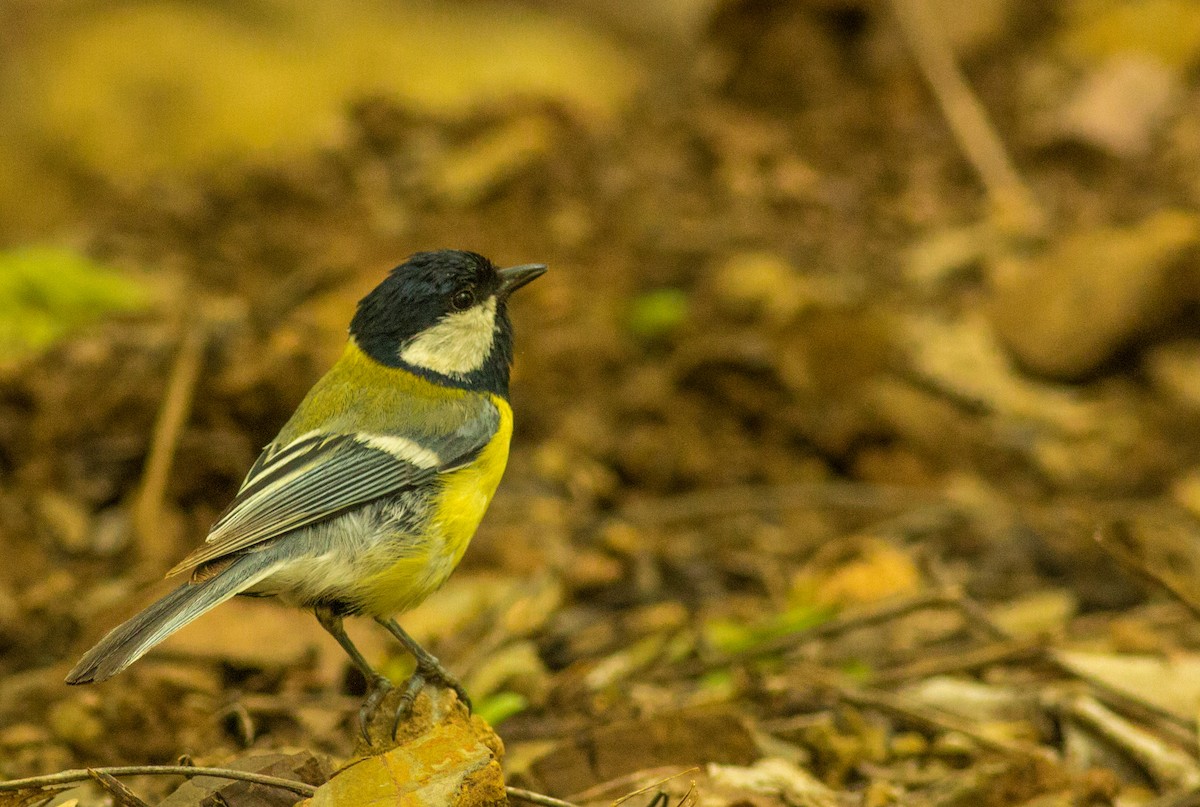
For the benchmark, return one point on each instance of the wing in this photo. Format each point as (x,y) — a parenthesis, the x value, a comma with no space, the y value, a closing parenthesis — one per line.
(319,475)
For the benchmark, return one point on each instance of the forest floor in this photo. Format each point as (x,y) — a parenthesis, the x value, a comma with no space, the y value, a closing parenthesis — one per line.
(832,483)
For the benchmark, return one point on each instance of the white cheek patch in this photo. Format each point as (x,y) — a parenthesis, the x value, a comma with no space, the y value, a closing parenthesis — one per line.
(458,344)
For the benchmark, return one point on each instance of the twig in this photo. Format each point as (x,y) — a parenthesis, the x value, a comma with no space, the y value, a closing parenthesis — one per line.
(172,416)
(651,786)
(599,791)
(1167,766)
(930,719)
(973,659)
(690,797)
(121,794)
(1180,730)
(124,796)
(1140,568)
(189,771)
(536,798)
(966,117)
(845,622)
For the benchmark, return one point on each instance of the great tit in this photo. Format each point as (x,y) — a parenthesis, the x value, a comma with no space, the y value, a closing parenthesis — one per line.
(366,500)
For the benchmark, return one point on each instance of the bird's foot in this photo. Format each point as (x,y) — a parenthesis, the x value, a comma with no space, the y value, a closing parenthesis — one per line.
(435,672)
(429,671)
(377,689)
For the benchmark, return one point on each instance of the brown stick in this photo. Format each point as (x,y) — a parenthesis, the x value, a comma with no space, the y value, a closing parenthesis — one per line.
(967,119)
(172,417)
(536,798)
(66,777)
(1134,564)
(106,777)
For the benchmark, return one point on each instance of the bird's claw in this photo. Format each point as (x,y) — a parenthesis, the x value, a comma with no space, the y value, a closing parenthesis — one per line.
(427,673)
(416,682)
(376,691)
(432,670)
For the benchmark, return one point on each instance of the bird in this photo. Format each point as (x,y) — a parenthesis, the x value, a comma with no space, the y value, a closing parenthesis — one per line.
(368,497)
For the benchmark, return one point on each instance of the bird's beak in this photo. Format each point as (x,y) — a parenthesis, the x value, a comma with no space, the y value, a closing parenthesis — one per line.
(515,277)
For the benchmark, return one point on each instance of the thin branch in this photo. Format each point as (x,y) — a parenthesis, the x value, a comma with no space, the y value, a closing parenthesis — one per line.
(1181,730)
(65,777)
(1000,652)
(536,798)
(651,786)
(967,118)
(121,794)
(172,417)
(106,777)
(845,622)
(1131,562)
(1168,767)
(930,718)
(601,790)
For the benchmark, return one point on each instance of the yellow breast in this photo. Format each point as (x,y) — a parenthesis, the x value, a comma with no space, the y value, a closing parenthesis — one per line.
(463,499)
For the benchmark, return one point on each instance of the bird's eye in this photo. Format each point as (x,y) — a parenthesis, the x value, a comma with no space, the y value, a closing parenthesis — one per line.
(463,299)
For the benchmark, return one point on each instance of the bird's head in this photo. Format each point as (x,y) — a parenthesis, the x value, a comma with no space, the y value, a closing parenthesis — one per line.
(444,315)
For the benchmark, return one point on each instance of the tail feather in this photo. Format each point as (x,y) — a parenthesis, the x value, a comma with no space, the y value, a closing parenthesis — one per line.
(127,642)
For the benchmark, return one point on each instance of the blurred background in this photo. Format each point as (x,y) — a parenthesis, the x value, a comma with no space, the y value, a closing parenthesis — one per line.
(858,417)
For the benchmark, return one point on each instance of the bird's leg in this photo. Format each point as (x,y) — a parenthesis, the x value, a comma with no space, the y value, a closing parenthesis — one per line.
(377,685)
(429,669)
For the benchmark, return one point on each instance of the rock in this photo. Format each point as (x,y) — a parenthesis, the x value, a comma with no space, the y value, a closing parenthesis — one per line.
(1068,311)
(442,757)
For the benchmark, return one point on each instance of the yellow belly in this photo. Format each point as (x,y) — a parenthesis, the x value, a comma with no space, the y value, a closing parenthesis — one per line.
(463,500)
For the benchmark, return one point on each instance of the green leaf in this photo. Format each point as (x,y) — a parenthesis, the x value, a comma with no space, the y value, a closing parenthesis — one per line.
(48,292)
(732,636)
(495,709)
(657,314)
